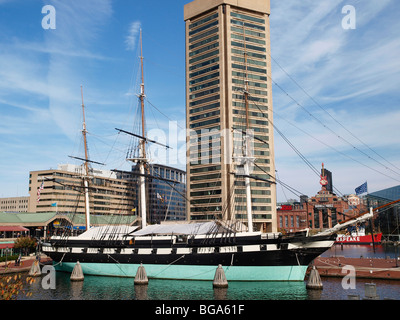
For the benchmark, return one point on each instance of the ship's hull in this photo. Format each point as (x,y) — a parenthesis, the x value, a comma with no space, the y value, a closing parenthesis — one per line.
(367,239)
(243,259)
(190,272)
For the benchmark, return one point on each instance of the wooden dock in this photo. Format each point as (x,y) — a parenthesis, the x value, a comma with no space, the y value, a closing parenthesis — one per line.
(371,268)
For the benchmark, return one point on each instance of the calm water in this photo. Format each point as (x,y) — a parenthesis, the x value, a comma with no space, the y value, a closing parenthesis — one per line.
(109,288)
(367,251)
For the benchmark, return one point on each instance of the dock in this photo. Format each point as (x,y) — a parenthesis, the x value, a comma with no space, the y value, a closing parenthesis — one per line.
(370,268)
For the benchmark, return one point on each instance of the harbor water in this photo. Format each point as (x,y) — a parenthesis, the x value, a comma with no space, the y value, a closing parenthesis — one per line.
(110,288)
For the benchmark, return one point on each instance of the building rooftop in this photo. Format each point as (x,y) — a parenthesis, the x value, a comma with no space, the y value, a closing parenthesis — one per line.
(29,219)
(197,7)
(390,194)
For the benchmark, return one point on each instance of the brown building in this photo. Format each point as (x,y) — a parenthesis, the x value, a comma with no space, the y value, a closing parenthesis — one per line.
(292,217)
(227,48)
(326,209)
(14,204)
(322,211)
(61,190)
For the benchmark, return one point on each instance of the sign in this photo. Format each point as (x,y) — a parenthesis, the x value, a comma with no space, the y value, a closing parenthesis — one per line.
(286,207)
(323,206)
(56,224)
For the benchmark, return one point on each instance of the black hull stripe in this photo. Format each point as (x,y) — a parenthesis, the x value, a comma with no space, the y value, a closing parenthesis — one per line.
(260,258)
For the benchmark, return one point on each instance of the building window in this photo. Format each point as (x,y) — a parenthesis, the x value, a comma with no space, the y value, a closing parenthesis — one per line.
(316,218)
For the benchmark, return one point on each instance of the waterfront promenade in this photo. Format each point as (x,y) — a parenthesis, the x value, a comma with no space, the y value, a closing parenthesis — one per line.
(371,268)
(25,265)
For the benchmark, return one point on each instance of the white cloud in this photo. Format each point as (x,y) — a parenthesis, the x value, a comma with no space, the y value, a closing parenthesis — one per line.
(78,26)
(131,38)
(353,74)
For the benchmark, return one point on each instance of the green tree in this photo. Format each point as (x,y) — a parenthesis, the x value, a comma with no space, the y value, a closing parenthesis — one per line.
(27,244)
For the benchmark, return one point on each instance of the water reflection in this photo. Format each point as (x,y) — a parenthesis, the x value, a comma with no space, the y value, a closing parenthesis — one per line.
(111,288)
(364,250)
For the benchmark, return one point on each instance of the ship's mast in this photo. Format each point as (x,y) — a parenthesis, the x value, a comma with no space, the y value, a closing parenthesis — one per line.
(142,158)
(86,176)
(142,96)
(246,152)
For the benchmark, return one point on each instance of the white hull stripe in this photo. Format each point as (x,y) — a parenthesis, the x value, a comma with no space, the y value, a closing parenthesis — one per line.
(201,250)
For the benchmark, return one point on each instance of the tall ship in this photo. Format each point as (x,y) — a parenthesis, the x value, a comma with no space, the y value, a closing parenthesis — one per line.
(191,250)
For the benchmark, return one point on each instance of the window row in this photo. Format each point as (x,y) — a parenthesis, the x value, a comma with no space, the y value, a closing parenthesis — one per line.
(205,123)
(204,85)
(205,115)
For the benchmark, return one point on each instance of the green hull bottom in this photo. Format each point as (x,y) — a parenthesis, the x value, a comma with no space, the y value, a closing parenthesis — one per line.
(181,272)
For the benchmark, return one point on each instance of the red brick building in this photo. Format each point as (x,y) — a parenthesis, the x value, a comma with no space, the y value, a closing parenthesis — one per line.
(326,209)
(323,211)
(292,217)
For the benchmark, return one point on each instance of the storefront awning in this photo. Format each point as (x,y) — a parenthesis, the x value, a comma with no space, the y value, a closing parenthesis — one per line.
(13,228)
(4,245)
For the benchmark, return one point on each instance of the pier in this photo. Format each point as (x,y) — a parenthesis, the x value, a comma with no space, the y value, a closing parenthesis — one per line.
(370,268)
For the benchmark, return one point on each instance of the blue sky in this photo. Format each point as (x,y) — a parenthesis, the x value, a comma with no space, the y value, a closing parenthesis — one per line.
(353,77)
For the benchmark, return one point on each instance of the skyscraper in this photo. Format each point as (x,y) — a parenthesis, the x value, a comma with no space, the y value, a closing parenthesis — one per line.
(229,99)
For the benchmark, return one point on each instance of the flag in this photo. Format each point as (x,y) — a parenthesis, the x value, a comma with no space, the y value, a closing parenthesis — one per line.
(160,197)
(39,190)
(54,204)
(361,189)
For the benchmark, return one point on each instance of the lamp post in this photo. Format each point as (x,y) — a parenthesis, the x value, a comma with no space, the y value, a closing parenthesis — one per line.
(5,266)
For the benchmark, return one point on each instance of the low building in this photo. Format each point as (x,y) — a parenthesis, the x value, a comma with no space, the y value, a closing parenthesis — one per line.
(322,211)
(292,216)
(46,224)
(326,209)
(61,190)
(14,204)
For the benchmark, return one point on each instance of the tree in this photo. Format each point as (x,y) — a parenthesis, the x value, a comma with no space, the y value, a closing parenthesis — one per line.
(27,244)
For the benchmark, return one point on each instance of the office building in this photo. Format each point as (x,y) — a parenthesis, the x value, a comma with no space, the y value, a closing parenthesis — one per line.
(61,190)
(14,204)
(166,194)
(387,219)
(227,58)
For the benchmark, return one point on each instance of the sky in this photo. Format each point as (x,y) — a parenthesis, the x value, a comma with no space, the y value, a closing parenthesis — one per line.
(335,82)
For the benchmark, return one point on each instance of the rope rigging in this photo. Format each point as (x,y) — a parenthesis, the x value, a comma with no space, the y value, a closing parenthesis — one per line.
(333,132)
(334,119)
